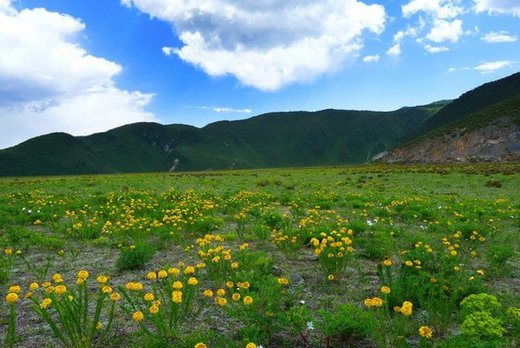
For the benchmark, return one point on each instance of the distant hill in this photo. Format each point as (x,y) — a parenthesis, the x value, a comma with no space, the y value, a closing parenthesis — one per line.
(272,140)
(480,125)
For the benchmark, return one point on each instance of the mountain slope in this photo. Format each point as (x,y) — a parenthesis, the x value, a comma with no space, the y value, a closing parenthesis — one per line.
(491,134)
(276,139)
(471,102)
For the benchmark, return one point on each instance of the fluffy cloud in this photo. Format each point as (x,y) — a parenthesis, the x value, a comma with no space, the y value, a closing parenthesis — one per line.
(441,9)
(498,37)
(490,67)
(395,50)
(439,18)
(444,30)
(510,7)
(50,83)
(371,59)
(266,44)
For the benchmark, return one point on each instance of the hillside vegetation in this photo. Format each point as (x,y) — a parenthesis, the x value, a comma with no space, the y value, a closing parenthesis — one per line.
(278,139)
(288,139)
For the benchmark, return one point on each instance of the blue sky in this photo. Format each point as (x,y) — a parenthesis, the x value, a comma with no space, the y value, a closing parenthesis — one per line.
(88,66)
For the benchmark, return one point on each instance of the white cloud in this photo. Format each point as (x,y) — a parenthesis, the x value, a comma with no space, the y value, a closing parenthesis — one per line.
(441,9)
(48,82)
(507,7)
(436,49)
(371,59)
(226,110)
(267,44)
(444,30)
(490,67)
(395,50)
(498,37)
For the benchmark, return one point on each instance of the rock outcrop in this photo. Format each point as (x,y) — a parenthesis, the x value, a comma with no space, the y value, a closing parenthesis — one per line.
(496,142)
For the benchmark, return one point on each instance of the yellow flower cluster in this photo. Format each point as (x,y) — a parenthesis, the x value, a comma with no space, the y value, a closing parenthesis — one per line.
(406,309)
(373,302)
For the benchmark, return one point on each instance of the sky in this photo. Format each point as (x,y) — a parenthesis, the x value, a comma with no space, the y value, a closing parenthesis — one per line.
(82,67)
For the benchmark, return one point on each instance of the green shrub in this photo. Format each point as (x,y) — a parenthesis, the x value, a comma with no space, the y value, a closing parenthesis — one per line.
(482,324)
(480,303)
(347,323)
(135,257)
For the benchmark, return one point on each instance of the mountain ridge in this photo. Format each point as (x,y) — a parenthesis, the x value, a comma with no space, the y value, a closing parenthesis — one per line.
(275,139)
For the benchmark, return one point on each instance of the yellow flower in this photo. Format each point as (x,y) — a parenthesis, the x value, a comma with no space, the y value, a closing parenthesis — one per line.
(250,345)
(385,290)
(83,274)
(456,268)
(34,286)
(57,278)
(12,298)
(330,277)
(173,271)
(408,263)
(115,296)
(208,293)
(373,302)
(102,279)
(244,285)
(407,308)
(137,316)
(45,303)
(221,292)
(234,265)
(154,309)
(425,332)
(60,289)
(248,300)
(189,270)
(149,297)
(177,296)
(387,263)
(8,251)
(229,284)
(453,253)
(134,286)
(235,296)
(221,301)
(151,276)
(193,281)
(162,274)
(283,281)
(99,325)
(177,285)
(200,345)
(480,272)
(106,289)
(15,288)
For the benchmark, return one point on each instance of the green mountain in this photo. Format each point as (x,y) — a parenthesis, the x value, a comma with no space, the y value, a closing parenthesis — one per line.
(327,137)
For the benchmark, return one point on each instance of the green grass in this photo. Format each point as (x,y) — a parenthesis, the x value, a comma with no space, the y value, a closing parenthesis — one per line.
(395,213)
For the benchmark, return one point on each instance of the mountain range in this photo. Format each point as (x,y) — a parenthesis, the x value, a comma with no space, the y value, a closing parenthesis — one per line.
(481,125)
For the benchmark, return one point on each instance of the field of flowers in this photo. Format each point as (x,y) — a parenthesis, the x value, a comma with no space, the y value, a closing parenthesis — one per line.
(368,256)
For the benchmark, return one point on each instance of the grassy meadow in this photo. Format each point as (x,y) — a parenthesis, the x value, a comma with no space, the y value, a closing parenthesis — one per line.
(368,256)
